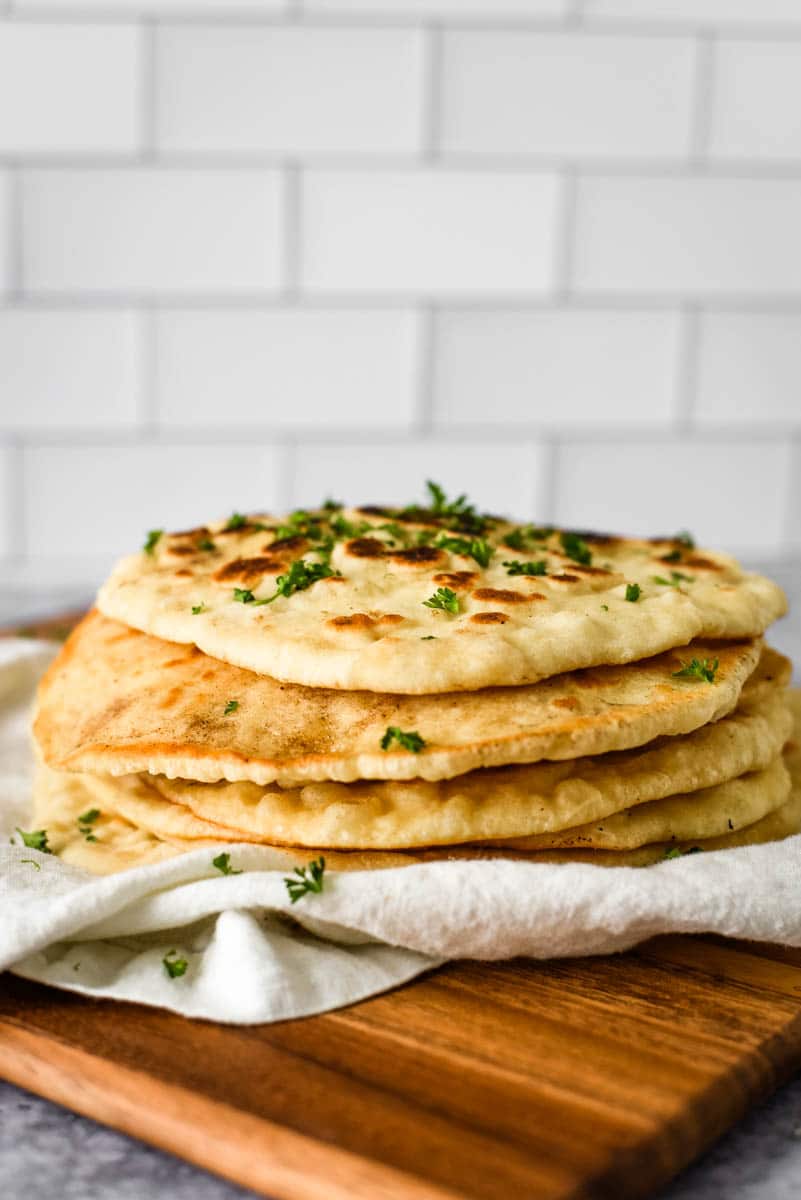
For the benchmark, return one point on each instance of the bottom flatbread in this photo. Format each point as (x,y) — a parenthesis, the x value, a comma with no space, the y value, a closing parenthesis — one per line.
(123,843)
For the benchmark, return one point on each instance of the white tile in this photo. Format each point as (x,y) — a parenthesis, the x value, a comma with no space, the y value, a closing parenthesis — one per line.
(756,108)
(567,94)
(749,369)
(69,88)
(66,370)
(150,230)
(429,231)
(487,10)
(5,500)
(74,369)
(5,232)
(694,235)
(559,369)
(103,499)
(698,12)
(502,477)
(293,90)
(125,7)
(729,494)
(286,370)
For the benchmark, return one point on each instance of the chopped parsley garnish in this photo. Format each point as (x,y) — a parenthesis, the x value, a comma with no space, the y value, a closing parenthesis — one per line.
(245,596)
(35,840)
(309,879)
(86,821)
(152,540)
(522,538)
(685,539)
(301,575)
(206,544)
(673,556)
(605,607)
(330,505)
(395,531)
(445,599)
(677,852)
(676,578)
(407,739)
(198,608)
(349,529)
(236,521)
(515,567)
(476,548)
(429,637)
(633,592)
(699,668)
(223,864)
(575,548)
(175,967)
(455,514)
(230,707)
(299,524)
(32,862)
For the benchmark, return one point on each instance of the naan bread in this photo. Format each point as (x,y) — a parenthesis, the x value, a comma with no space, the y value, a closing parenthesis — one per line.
(122,845)
(118,702)
(227,588)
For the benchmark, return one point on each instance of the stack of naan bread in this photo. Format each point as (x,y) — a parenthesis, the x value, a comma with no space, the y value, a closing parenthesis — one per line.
(384,686)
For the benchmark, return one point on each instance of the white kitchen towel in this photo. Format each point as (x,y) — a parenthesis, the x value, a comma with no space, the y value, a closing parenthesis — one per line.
(253,956)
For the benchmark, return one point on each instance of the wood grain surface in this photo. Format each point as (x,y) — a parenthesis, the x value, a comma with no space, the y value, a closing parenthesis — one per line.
(597,1077)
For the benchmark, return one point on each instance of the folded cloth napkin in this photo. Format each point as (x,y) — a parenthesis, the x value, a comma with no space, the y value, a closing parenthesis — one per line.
(253,956)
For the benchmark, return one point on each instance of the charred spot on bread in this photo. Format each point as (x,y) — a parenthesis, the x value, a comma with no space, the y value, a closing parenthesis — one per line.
(418,556)
(456,579)
(500,595)
(365,547)
(293,544)
(352,621)
(249,569)
(489,618)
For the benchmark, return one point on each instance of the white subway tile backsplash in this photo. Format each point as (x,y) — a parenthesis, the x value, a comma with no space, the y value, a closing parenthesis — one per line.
(696,236)
(756,110)
(429,231)
(487,10)
(292,90)
(561,369)
(545,251)
(288,370)
(69,88)
(749,369)
(729,494)
(698,12)
(229,8)
(69,369)
(6,232)
(6,501)
(567,94)
(102,499)
(152,230)
(504,476)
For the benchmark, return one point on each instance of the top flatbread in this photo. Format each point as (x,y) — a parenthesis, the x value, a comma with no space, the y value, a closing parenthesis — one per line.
(366,624)
(118,702)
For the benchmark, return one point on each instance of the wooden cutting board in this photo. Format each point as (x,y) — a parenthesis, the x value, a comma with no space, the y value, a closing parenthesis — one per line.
(599,1077)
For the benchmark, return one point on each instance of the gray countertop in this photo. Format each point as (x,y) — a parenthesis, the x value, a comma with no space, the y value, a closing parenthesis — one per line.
(47,1152)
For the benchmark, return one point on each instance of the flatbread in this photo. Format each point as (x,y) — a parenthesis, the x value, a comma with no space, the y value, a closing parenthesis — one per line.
(367,625)
(59,798)
(116,701)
